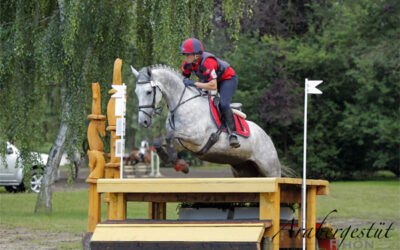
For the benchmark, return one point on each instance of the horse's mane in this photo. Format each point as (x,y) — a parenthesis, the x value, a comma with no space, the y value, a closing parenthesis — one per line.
(171,73)
(166,68)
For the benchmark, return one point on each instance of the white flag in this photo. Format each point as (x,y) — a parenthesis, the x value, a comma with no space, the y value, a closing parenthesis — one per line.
(311,86)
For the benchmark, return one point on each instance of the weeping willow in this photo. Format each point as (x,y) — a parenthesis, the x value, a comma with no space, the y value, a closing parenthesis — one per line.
(51,51)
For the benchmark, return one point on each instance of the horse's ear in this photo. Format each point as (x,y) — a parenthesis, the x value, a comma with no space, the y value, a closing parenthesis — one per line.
(134,71)
(149,71)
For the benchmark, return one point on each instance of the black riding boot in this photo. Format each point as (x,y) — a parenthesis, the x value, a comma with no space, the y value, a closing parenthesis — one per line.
(230,124)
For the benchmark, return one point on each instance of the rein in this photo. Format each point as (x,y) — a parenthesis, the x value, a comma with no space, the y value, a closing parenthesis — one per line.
(171,120)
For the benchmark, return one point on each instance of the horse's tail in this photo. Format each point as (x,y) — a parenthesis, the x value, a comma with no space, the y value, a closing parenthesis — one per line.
(289,172)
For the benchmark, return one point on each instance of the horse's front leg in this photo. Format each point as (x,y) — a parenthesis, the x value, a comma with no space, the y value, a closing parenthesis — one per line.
(166,152)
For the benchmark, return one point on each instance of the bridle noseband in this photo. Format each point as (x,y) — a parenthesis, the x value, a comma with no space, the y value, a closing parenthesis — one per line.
(154,91)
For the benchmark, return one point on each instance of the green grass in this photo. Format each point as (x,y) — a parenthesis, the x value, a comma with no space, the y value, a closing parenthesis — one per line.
(69,211)
(358,204)
(361,203)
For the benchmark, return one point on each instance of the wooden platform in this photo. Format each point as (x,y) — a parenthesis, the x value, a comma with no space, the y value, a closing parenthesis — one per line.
(268,192)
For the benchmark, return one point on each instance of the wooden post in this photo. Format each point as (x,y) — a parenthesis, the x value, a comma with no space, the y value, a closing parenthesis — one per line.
(157,210)
(121,206)
(311,217)
(113,165)
(94,207)
(117,207)
(96,157)
(270,210)
(112,207)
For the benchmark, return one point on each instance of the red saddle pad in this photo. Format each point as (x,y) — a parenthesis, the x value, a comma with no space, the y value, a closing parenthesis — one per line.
(242,127)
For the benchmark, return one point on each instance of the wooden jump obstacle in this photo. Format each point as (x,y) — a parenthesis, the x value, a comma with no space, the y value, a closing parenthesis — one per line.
(118,232)
(268,192)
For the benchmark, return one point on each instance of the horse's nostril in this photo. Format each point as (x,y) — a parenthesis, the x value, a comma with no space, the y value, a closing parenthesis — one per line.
(145,122)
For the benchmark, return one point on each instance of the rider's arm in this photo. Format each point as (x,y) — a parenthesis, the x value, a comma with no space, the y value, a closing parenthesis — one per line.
(210,66)
(211,85)
(186,70)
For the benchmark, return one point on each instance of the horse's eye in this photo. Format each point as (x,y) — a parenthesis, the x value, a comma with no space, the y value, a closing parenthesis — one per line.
(149,92)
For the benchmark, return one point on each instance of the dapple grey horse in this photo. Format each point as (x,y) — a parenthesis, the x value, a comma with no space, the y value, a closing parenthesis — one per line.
(189,124)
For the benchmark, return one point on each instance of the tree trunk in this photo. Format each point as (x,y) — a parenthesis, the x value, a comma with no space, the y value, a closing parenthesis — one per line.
(44,201)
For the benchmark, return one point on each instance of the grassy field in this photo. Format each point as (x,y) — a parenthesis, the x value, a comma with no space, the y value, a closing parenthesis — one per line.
(358,204)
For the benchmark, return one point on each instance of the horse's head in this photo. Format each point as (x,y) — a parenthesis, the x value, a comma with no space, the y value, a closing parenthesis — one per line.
(149,95)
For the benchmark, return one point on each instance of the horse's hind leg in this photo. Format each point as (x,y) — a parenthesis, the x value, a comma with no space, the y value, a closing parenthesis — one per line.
(268,164)
(246,169)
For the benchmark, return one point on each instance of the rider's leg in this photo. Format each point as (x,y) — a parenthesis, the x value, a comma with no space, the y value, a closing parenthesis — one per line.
(230,123)
(226,90)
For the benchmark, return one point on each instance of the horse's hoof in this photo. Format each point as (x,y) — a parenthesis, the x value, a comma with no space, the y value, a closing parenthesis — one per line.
(185,170)
(181,165)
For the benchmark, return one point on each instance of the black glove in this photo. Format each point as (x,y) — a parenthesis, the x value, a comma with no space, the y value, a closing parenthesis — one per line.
(188,82)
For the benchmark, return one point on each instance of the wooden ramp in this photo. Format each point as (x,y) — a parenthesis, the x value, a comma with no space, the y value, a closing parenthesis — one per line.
(164,234)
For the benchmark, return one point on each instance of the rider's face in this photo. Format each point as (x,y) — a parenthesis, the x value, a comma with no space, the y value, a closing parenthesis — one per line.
(190,58)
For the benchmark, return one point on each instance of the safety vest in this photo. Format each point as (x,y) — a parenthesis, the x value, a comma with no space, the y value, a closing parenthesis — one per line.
(222,67)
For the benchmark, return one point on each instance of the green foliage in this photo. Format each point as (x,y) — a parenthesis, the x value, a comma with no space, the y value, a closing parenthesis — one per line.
(353,46)
(254,66)
(51,51)
(54,51)
(354,125)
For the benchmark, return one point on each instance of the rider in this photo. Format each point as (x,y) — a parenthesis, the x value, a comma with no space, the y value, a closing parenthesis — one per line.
(144,145)
(214,73)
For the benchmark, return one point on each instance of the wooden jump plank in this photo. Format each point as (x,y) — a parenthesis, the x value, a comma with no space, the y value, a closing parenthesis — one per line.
(241,232)
(202,185)
(189,185)
(140,245)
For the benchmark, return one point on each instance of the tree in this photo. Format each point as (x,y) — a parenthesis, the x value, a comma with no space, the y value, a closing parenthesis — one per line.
(353,125)
(86,47)
(61,47)
(352,46)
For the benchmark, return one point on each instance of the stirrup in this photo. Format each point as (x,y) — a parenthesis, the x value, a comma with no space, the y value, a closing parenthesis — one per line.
(234,141)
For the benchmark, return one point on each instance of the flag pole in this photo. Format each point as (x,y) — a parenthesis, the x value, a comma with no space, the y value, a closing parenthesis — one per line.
(304,186)
(309,88)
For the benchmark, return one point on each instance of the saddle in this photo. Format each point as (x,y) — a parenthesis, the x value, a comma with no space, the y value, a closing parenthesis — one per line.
(242,127)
